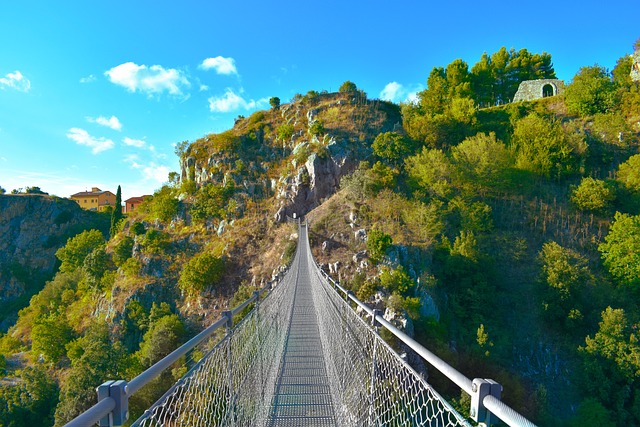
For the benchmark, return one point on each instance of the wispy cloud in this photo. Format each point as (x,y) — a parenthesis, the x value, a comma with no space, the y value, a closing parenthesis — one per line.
(112,122)
(150,171)
(395,92)
(231,101)
(138,143)
(82,137)
(15,81)
(150,80)
(220,64)
(90,78)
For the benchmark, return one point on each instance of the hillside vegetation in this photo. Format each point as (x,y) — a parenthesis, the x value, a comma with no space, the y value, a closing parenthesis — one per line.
(504,236)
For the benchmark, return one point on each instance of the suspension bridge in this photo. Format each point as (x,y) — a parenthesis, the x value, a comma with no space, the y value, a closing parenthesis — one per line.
(303,356)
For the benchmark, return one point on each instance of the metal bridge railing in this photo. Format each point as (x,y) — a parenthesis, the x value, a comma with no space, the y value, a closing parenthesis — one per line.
(376,387)
(231,384)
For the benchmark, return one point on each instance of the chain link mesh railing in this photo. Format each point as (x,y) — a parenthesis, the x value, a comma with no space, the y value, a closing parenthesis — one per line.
(263,372)
(371,384)
(233,384)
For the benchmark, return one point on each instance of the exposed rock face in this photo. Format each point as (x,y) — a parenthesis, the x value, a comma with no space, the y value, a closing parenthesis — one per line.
(32,229)
(316,180)
(530,90)
(635,66)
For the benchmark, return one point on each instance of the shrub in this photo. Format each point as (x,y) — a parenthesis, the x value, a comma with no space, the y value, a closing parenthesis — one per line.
(377,244)
(592,195)
(316,128)
(201,271)
(285,131)
(123,250)
(77,248)
(347,87)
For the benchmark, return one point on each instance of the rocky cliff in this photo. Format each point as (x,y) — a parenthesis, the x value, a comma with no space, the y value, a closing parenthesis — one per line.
(32,228)
(297,153)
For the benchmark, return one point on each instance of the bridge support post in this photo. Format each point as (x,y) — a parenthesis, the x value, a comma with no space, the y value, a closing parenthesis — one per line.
(118,392)
(481,389)
(228,314)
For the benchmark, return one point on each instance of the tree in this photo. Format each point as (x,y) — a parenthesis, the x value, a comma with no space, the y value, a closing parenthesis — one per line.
(203,270)
(34,190)
(122,251)
(542,147)
(274,101)
(396,280)
(347,87)
(49,337)
(566,277)
(116,215)
(2,190)
(592,91)
(163,205)
(612,364)
(377,244)
(164,335)
(482,160)
(592,195)
(285,131)
(392,147)
(77,248)
(629,173)
(621,250)
(431,170)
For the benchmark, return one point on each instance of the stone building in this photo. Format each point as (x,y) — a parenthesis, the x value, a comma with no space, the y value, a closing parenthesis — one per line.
(536,89)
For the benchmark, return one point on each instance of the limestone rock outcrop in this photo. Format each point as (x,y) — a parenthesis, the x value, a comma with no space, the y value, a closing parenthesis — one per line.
(32,229)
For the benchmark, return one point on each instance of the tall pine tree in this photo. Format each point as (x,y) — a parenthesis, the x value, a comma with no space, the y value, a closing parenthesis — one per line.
(116,215)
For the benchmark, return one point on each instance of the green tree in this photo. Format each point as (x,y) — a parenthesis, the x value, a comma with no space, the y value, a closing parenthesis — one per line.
(396,280)
(621,250)
(612,364)
(592,195)
(95,265)
(77,248)
(347,87)
(49,337)
(94,358)
(123,250)
(30,402)
(392,147)
(592,91)
(203,270)
(274,101)
(482,160)
(163,205)
(377,244)
(211,202)
(2,190)
(431,171)
(567,279)
(285,131)
(542,147)
(629,173)
(164,335)
(116,215)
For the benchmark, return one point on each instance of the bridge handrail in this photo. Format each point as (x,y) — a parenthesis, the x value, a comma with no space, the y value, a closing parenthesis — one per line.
(109,405)
(487,401)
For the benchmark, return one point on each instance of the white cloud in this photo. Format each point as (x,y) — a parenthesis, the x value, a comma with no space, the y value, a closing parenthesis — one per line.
(15,81)
(150,80)
(220,65)
(150,171)
(231,101)
(82,137)
(111,122)
(90,78)
(134,142)
(203,88)
(395,92)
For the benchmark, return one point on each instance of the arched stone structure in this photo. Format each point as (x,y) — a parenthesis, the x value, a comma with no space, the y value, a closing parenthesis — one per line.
(536,89)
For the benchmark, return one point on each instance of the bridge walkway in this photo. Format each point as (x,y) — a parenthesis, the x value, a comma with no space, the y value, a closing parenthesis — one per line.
(302,394)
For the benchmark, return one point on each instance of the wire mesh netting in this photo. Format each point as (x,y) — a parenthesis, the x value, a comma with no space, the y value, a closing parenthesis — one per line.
(233,383)
(302,357)
(371,384)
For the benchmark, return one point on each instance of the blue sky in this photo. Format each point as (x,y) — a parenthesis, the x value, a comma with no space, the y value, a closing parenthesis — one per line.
(97,93)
